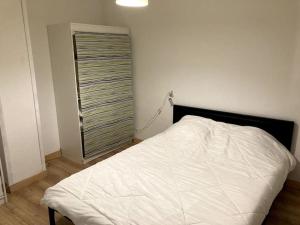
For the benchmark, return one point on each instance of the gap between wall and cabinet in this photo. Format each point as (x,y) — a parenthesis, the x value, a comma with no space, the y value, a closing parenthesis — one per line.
(52,156)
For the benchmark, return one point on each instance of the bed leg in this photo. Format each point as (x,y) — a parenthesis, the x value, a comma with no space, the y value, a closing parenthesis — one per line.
(51,213)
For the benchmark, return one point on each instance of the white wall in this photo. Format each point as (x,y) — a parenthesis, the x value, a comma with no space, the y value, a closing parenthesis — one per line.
(18,120)
(233,55)
(42,13)
(294,93)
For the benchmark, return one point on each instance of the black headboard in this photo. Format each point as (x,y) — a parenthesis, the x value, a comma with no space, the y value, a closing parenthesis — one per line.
(282,130)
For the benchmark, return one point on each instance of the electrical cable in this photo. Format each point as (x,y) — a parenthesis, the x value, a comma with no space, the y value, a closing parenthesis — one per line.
(149,123)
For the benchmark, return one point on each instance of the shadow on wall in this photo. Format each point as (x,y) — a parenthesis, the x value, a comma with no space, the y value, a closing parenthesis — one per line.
(295,136)
(2,157)
(2,153)
(295,173)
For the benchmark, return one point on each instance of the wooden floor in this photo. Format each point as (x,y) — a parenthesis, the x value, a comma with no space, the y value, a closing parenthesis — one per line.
(24,206)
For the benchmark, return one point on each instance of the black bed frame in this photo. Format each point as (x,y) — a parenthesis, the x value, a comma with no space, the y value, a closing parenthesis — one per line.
(282,130)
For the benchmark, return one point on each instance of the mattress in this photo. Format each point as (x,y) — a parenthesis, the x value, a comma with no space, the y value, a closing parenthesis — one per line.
(197,172)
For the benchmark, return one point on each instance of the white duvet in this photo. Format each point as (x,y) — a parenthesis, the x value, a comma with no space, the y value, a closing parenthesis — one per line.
(198,172)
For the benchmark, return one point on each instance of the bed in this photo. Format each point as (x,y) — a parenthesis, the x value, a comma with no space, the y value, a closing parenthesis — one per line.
(209,168)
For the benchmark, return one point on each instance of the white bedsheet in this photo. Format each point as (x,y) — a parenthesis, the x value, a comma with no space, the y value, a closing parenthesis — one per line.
(198,172)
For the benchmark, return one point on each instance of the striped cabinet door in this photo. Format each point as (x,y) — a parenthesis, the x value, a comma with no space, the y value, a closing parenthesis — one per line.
(105,90)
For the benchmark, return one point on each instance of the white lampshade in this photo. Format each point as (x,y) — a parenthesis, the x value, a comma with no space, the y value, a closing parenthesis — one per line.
(132,3)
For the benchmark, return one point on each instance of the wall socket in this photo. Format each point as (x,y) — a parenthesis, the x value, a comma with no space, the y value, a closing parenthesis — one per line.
(171,96)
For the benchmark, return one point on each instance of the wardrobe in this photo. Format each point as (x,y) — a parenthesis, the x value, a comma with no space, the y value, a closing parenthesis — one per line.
(21,146)
(93,85)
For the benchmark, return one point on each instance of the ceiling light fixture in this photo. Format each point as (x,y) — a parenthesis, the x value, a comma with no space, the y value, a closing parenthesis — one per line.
(132,3)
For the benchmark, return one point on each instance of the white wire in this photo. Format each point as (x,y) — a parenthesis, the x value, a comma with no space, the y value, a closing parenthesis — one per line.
(155,116)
